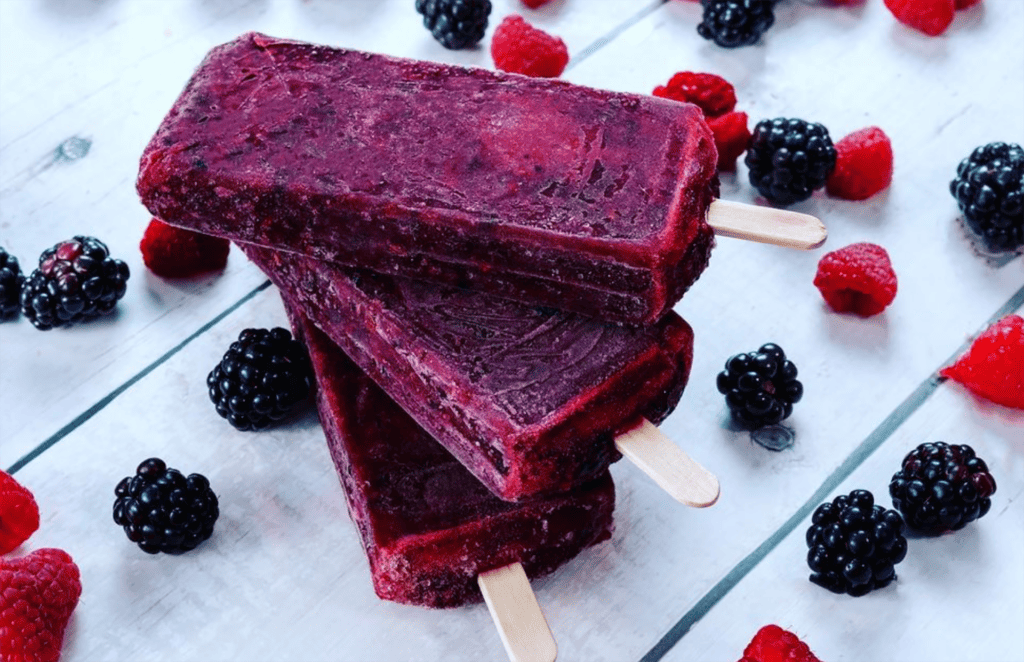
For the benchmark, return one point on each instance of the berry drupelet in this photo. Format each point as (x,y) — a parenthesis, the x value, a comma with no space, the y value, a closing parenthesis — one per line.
(760,387)
(262,376)
(735,23)
(942,487)
(455,23)
(989,189)
(76,280)
(163,511)
(854,545)
(789,159)
(11,280)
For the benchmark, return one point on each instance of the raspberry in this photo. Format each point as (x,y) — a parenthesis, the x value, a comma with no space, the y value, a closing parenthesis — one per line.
(520,48)
(773,644)
(863,165)
(993,367)
(854,544)
(931,17)
(857,279)
(19,514)
(731,137)
(942,488)
(38,592)
(178,253)
(713,94)
(533,4)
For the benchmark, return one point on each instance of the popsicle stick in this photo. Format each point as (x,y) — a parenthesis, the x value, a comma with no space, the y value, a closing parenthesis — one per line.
(766,225)
(516,614)
(672,469)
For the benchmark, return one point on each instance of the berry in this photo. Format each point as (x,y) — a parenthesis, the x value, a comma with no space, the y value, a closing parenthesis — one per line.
(76,281)
(262,376)
(455,23)
(964,4)
(731,137)
(178,253)
(11,280)
(992,367)
(734,23)
(942,487)
(713,94)
(533,4)
(163,511)
(19,514)
(989,189)
(863,165)
(931,17)
(520,48)
(38,592)
(789,158)
(857,279)
(760,387)
(854,545)
(773,644)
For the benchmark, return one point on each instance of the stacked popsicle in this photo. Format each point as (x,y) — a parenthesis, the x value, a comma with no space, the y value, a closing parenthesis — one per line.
(500,254)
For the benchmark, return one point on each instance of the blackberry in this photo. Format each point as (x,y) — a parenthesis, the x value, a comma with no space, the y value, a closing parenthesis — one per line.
(262,376)
(76,280)
(789,158)
(11,280)
(989,189)
(942,487)
(735,23)
(455,23)
(760,387)
(163,511)
(854,545)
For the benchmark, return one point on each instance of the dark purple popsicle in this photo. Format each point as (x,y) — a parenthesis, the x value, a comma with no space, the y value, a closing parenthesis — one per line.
(427,525)
(531,189)
(529,400)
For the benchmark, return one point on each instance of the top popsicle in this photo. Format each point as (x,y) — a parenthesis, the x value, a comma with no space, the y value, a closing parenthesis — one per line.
(532,189)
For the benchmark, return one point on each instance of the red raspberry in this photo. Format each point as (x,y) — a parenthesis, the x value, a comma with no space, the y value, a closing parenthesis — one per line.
(713,94)
(38,592)
(533,4)
(773,644)
(19,514)
(931,17)
(178,253)
(731,137)
(520,48)
(993,367)
(863,165)
(857,279)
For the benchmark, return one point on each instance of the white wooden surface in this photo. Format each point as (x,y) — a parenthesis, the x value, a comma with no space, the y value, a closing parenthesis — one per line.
(284,578)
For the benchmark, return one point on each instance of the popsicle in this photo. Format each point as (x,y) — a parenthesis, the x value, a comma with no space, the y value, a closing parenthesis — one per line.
(529,400)
(428,527)
(532,189)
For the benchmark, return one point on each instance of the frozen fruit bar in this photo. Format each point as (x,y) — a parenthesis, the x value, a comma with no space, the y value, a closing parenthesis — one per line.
(529,400)
(427,525)
(531,189)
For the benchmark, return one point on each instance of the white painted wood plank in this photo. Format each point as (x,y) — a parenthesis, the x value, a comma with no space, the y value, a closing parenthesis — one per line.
(958,597)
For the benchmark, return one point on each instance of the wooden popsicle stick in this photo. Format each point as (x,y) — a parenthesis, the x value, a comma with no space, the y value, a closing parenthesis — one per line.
(517,615)
(671,468)
(766,225)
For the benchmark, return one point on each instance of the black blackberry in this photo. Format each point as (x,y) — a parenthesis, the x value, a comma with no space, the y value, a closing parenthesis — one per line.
(942,487)
(11,280)
(455,23)
(854,545)
(76,280)
(760,387)
(735,23)
(262,376)
(789,158)
(163,511)
(989,189)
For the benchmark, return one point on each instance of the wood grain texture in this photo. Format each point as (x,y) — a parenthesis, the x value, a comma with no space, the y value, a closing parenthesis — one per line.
(766,225)
(682,477)
(516,614)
